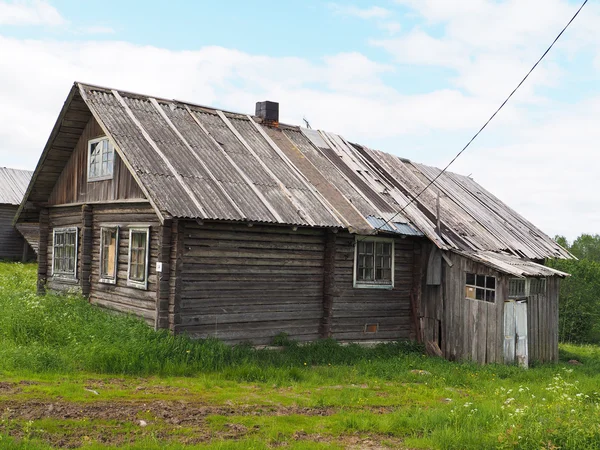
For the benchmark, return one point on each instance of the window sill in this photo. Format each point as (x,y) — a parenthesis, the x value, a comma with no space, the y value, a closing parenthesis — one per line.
(107,281)
(137,285)
(477,300)
(64,279)
(104,178)
(388,287)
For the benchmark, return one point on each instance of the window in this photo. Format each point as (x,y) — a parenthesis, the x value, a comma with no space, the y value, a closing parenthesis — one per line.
(100,159)
(517,288)
(109,245)
(480,287)
(524,287)
(137,275)
(374,263)
(64,252)
(537,286)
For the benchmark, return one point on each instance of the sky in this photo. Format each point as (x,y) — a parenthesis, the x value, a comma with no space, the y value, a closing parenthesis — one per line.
(416,78)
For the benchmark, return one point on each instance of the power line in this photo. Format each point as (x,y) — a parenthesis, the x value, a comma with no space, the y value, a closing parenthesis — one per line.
(412,199)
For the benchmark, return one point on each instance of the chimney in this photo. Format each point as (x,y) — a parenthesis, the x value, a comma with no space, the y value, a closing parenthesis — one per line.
(268,112)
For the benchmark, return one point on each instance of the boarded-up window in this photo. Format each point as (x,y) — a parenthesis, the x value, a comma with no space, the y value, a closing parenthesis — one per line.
(109,244)
(374,262)
(100,159)
(480,287)
(138,257)
(64,252)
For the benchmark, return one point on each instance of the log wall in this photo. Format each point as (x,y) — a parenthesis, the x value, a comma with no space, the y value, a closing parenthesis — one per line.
(119,296)
(62,218)
(388,309)
(241,283)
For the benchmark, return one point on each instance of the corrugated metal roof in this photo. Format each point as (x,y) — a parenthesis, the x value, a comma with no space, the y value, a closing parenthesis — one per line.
(199,162)
(512,265)
(405,229)
(13,184)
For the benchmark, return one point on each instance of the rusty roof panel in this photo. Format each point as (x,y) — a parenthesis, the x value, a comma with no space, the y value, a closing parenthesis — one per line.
(13,184)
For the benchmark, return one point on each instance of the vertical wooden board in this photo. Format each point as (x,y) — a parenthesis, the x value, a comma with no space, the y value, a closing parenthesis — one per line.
(482,320)
(491,337)
(556,297)
(533,327)
(544,328)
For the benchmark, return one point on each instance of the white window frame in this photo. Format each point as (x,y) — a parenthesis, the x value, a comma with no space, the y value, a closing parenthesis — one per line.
(135,283)
(359,284)
(89,160)
(66,276)
(117,229)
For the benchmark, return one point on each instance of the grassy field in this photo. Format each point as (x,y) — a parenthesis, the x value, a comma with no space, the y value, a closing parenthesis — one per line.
(72,375)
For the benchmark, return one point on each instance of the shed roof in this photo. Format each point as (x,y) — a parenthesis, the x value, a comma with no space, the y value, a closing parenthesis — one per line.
(197,162)
(13,184)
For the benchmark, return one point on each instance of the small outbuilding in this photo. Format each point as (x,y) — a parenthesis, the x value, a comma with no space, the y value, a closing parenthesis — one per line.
(239,227)
(13,243)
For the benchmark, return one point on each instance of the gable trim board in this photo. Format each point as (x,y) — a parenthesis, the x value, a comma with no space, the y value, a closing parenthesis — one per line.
(242,201)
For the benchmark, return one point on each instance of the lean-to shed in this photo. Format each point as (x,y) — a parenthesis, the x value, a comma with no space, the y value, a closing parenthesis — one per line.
(16,245)
(240,227)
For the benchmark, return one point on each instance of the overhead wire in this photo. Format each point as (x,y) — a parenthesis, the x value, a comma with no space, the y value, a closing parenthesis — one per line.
(414,198)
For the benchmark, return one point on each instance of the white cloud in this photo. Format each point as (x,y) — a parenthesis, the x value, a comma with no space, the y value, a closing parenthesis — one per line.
(342,93)
(97,29)
(373,12)
(392,28)
(535,162)
(36,12)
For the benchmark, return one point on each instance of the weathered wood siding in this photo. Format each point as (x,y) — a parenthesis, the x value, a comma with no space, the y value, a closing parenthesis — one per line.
(11,241)
(542,323)
(119,296)
(469,329)
(72,185)
(241,283)
(464,329)
(63,218)
(388,309)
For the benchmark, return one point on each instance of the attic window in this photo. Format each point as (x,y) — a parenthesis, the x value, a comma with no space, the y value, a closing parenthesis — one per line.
(480,287)
(100,159)
(374,263)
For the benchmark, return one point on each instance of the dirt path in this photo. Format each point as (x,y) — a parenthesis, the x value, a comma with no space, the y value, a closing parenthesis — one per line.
(118,423)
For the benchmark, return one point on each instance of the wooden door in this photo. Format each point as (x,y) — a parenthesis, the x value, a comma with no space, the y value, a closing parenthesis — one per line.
(510,327)
(521,334)
(515,333)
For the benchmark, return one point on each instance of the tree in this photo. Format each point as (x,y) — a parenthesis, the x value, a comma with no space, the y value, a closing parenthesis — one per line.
(579,303)
(587,246)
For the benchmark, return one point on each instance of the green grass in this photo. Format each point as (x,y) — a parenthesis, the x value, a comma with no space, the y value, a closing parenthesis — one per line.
(101,373)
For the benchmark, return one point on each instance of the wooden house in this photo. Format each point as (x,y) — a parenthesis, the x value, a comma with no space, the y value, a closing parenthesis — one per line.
(13,243)
(240,227)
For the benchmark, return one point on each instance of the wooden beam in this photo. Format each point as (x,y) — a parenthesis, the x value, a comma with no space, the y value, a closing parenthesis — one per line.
(163,287)
(86,249)
(328,284)
(43,252)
